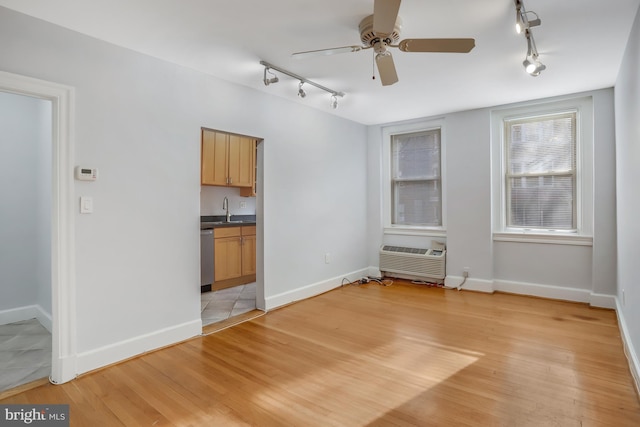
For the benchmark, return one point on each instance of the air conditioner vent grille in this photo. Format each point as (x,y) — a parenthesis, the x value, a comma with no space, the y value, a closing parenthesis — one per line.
(398,261)
(405,250)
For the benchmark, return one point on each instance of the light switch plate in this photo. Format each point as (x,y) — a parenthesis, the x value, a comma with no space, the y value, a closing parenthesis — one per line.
(86,205)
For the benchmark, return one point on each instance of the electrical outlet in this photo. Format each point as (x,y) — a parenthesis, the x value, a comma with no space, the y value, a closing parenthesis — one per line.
(243,205)
(327,258)
(465,272)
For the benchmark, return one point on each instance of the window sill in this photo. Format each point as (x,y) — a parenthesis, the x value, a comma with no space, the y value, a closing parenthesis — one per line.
(415,231)
(549,238)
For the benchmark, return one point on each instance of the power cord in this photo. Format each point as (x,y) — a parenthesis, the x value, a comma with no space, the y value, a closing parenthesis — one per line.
(380,280)
(465,274)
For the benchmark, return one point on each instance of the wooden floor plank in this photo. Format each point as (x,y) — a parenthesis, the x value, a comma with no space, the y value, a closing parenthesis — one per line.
(371,355)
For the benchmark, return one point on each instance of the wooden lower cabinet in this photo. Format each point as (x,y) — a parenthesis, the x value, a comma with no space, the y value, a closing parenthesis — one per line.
(249,251)
(234,256)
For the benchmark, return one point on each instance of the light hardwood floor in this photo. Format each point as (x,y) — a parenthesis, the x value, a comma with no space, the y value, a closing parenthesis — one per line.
(368,355)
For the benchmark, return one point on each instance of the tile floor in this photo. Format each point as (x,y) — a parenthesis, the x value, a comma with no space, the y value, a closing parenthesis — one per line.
(220,305)
(25,353)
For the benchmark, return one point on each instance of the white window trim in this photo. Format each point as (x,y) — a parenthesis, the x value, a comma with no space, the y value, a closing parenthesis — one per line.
(387,133)
(584,173)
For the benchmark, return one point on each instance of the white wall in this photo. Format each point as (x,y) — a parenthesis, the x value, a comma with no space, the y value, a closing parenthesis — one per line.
(138,121)
(25,211)
(627,103)
(561,271)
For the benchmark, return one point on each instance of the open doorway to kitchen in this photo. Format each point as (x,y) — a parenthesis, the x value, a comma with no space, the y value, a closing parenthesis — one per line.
(42,313)
(232,288)
(25,239)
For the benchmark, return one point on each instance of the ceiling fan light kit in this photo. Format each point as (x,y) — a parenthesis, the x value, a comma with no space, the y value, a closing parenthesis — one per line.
(532,64)
(381,31)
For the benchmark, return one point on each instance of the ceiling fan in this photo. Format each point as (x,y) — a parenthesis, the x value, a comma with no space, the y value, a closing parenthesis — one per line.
(381,31)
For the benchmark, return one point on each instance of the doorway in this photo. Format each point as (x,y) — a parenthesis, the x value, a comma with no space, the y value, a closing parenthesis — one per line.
(25,239)
(235,296)
(59,312)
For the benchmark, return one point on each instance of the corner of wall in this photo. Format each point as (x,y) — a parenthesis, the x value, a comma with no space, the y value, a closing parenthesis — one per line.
(629,350)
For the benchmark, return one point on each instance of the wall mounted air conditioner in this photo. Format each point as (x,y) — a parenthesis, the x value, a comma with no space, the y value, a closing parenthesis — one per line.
(410,263)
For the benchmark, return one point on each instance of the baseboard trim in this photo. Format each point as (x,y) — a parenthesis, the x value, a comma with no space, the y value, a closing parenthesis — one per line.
(543,291)
(312,290)
(627,344)
(471,284)
(603,301)
(117,352)
(27,312)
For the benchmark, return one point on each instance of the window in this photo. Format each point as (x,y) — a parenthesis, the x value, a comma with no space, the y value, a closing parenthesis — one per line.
(416,182)
(542,168)
(540,178)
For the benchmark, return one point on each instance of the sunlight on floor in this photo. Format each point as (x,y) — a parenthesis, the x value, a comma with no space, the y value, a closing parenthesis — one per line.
(412,366)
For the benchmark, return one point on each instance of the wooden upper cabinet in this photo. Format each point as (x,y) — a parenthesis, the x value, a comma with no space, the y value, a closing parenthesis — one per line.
(215,147)
(227,159)
(241,161)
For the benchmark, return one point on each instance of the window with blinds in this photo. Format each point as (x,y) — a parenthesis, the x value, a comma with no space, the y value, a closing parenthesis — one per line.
(416,184)
(540,178)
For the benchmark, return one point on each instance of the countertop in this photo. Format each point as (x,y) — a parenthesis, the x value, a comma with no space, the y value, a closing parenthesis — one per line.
(209,222)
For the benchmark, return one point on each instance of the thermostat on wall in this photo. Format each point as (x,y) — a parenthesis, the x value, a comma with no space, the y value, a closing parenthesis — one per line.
(86,174)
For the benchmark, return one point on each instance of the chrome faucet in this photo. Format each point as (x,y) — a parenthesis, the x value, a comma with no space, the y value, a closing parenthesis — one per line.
(225,206)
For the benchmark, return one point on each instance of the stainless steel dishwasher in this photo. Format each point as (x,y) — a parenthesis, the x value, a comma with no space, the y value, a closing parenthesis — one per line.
(206,259)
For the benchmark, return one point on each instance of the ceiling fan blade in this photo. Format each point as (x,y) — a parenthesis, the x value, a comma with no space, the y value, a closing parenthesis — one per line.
(386,69)
(385,13)
(437,45)
(330,51)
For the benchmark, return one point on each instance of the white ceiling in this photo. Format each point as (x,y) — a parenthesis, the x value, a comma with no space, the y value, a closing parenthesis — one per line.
(580,41)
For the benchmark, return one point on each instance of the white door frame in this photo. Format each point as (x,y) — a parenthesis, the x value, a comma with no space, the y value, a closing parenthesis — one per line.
(63,358)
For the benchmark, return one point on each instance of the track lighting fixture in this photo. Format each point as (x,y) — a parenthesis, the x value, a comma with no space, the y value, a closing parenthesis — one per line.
(301,92)
(268,80)
(531,63)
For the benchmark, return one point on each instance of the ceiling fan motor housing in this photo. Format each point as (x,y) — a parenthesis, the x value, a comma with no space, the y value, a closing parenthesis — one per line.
(371,38)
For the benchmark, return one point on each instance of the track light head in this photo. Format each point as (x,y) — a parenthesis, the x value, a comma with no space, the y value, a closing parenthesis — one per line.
(534,22)
(334,101)
(522,18)
(268,80)
(533,66)
(301,92)
(519,23)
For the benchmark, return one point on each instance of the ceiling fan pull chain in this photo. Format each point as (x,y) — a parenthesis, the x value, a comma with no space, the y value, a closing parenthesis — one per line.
(373,66)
